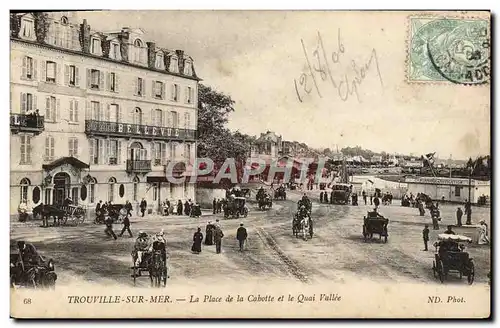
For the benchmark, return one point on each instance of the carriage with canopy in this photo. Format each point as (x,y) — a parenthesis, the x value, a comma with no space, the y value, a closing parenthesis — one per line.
(451,257)
(340,193)
(374,223)
(62,214)
(34,271)
(234,207)
(302,225)
(280,193)
(154,262)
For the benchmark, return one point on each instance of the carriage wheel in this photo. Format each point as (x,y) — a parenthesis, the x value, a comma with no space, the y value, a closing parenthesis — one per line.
(134,273)
(440,271)
(245,213)
(385,239)
(470,277)
(434,269)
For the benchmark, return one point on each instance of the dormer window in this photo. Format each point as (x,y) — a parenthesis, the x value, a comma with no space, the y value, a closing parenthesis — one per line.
(188,68)
(96,46)
(138,43)
(64,20)
(27,30)
(115,51)
(159,63)
(140,52)
(174,65)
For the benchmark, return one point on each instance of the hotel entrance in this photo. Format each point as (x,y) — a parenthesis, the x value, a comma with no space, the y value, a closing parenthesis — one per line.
(61,187)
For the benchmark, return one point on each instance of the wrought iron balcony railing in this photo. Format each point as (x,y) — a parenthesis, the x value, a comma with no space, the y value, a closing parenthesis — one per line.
(138,166)
(26,123)
(140,131)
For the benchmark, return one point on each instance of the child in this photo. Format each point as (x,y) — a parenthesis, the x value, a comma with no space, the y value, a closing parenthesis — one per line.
(425,235)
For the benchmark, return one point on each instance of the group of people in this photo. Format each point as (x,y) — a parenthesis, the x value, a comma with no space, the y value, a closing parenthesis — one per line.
(214,235)
(189,208)
(145,244)
(217,205)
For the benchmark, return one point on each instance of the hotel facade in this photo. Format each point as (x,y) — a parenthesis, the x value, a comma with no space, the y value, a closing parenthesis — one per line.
(97,115)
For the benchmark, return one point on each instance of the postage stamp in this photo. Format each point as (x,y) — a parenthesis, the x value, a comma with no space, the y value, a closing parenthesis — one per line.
(449,49)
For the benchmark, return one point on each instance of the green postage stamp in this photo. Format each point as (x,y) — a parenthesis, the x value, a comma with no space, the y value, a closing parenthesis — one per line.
(455,50)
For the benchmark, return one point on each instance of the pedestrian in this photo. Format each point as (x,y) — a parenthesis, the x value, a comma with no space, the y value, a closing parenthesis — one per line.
(460,213)
(143,206)
(128,207)
(371,199)
(197,240)
(218,235)
(425,235)
(434,216)
(241,235)
(449,230)
(126,227)
(187,208)
(209,234)
(179,207)
(364,196)
(468,212)
(109,227)
(214,205)
(219,205)
(325,197)
(321,197)
(98,212)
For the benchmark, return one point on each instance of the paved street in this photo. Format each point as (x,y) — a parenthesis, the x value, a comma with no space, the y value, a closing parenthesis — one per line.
(336,253)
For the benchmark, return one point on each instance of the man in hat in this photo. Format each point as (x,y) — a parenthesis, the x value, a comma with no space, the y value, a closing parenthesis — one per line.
(142,244)
(143,206)
(160,244)
(126,226)
(109,227)
(241,235)
(449,230)
(460,213)
(425,235)
(218,235)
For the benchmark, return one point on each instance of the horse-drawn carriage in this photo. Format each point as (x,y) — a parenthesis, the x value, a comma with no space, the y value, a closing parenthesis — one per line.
(374,223)
(451,257)
(302,225)
(61,214)
(425,199)
(117,212)
(264,200)
(280,193)
(31,271)
(154,262)
(340,193)
(234,207)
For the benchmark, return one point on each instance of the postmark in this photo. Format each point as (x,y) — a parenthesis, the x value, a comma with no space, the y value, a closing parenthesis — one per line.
(455,50)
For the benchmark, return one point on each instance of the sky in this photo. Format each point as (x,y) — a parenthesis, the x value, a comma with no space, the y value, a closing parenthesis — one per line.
(260,59)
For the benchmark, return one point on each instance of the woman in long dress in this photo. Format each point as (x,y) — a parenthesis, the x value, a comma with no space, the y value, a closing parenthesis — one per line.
(483,234)
(209,236)
(197,240)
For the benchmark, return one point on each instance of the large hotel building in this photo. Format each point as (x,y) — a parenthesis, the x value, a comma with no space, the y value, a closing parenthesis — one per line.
(97,115)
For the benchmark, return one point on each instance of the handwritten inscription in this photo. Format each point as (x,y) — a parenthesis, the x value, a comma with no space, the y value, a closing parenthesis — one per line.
(322,65)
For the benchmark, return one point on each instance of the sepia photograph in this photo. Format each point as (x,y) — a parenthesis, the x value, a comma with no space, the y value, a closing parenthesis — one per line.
(250,164)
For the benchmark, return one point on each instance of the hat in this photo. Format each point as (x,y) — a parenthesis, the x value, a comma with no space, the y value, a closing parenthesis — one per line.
(161,233)
(241,224)
(217,220)
(482,222)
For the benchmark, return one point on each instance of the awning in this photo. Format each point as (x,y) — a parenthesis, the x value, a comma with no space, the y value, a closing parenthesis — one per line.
(66,160)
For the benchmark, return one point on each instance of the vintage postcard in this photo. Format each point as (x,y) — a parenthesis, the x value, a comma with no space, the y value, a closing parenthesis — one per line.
(250,164)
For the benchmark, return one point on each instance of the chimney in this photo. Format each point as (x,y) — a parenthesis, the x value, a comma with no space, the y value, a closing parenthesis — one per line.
(151,54)
(123,37)
(85,36)
(180,60)
(105,46)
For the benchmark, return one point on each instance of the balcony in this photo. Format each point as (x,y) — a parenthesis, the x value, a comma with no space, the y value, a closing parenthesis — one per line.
(138,166)
(139,131)
(26,123)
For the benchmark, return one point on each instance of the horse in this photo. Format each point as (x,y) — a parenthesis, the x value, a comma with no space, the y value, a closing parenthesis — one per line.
(157,269)
(305,227)
(47,211)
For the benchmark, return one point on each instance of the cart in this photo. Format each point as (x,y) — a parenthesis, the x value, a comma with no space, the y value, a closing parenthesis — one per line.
(375,223)
(451,257)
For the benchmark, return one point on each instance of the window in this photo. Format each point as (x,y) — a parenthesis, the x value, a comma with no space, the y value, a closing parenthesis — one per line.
(112,82)
(96,111)
(50,109)
(175,92)
(74,195)
(94,79)
(159,63)
(113,151)
(49,148)
(29,68)
(155,192)
(96,46)
(28,103)
(187,120)
(64,20)
(188,68)
(36,195)
(92,190)
(83,192)
(95,150)
(114,113)
(174,65)
(137,118)
(121,191)
(158,90)
(27,28)
(457,191)
(173,151)
(72,75)
(73,110)
(159,153)
(25,150)
(111,189)
(139,51)
(138,43)
(158,117)
(73,147)
(189,95)
(139,87)
(115,51)
(136,187)
(25,182)
(51,72)
(187,151)
(174,120)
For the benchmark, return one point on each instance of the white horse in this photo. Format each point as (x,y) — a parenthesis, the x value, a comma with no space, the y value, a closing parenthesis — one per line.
(304,224)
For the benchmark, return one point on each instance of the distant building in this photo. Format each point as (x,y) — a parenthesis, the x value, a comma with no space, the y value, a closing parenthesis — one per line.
(268,145)
(452,189)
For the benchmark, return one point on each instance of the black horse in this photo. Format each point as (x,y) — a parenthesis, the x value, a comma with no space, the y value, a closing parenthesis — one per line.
(48,211)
